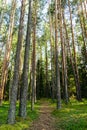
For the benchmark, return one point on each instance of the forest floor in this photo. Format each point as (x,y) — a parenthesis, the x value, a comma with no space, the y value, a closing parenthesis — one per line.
(45,121)
(72,116)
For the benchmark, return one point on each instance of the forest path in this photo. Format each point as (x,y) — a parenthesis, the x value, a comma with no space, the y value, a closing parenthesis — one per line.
(45,120)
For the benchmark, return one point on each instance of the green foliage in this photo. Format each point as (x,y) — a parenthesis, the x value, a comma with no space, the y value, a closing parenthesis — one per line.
(20,123)
(72,117)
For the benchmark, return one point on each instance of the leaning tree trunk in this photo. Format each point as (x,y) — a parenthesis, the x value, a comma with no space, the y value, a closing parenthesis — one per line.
(24,85)
(78,89)
(68,47)
(14,88)
(7,51)
(57,60)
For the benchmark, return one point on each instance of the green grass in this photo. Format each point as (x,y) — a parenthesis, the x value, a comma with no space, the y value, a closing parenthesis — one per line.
(72,116)
(21,124)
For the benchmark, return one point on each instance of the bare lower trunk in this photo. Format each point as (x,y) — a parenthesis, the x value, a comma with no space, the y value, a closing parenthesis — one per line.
(35,95)
(65,74)
(32,92)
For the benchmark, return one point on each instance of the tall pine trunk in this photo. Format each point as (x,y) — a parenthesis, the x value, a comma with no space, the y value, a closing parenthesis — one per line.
(78,89)
(46,57)
(14,88)
(83,35)
(57,60)
(51,47)
(33,93)
(68,46)
(64,60)
(7,51)
(24,85)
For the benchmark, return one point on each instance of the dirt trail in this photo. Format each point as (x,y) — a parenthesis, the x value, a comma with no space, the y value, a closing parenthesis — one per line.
(45,120)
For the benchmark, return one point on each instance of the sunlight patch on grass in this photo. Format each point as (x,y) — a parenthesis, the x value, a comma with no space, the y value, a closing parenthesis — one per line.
(72,116)
(18,126)
(20,122)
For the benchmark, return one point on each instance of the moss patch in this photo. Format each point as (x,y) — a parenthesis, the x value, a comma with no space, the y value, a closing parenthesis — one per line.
(72,116)
(20,123)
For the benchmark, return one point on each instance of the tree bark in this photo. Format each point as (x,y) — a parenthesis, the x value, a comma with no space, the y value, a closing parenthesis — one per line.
(7,51)
(78,89)
(52,68)
(3,3)
(83,36)
(83,19)
(85,8)
(46,56)
(64,67)
(33,93)
(57,60)
(24,85)
(14,88)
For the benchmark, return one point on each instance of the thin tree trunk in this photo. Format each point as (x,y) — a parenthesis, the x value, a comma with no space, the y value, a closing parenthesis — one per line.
(46,56)
(2,13)
(68,46)
(83,19)
(51,46)
(62,47)
(78,89)
(14,88)
(64,68)
(24,85)
(7,51)
(57,60)
(33,74)
(83,36)
(33,96)
(85,8)
(65,74)
(20,73)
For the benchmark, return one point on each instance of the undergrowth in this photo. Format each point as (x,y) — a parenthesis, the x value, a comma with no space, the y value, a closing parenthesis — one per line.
(21,123)
(72,116)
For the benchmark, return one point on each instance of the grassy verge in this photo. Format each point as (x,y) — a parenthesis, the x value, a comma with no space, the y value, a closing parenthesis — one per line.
(21,124)
(72,116)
